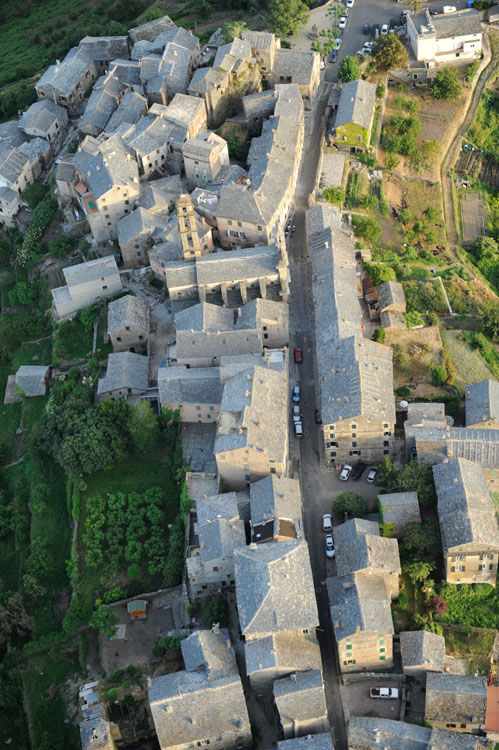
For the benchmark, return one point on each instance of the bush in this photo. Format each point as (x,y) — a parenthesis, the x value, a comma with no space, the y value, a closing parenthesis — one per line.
(438,375)
(133,571)
(403,391)
(214,611)
(355,505)
(349,69)
(336,196)
(401,359)
(380,91)
(174,565)
(400,136)
(446,84)
(34,194)
(60,247)
(380,335)
(367,228)
(413,319)
(166,644)
(379,273)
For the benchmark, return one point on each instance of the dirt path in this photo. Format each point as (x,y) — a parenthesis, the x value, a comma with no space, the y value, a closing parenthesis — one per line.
(454,147)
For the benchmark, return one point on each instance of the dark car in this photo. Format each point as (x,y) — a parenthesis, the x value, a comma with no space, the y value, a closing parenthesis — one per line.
(374,29)
(433,12)
(366,29)
(358,471)
(318,416)
(332,56)
(393,23)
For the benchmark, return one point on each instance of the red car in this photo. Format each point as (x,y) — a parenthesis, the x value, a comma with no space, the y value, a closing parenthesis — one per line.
(298,354)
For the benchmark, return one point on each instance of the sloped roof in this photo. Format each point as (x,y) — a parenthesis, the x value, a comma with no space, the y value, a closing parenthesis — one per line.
(419,648)
(300,697)
(356,104)
(465,509)
(275,497)
(125,370)
(482,402)
(455,698)
(136,223)
(211,651)
(112,164)
(359,547)
(128,311)
(64,76)
(309,742)
(130,109)
(206,80)
(390,293)
(238,265)
(92,270)
(152,29)
(31,379)
(105,47)
(287,650)
(42,115)
(198,385)
(274,588)
(205,317)
(400,507)
(359,602)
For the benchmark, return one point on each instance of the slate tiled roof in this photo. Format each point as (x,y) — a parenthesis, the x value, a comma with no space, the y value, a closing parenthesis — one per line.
(482,402)
(42,115)
(229,506)
(419,648)
(206,80)
(128,311)
(359,602)
(288,650)
(299,65)
(400,508)
(275,497)
(258,310)
(139,222)
(456,698)
(64,76)
(211,651)
(125,370)
(187,707)
(159,195)
(130,109)
(359,546)
(93,270)
(31,379)
(151,30)
(113,164)
(274,588)
(310,742)
(202,146)
(391,294)
(205,317)
(459,24)
(253,414)
(262,103)
(367,733)
(105,47)
(199,385)
(356,104)
(465,509)
(102,103)
(95,734)
(238,265)
(300,697)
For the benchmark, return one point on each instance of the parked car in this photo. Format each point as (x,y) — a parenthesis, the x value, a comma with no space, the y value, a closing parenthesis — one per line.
(322,64)
(298,427)
(318,416)
(327,523)
(375,30)
(342,22)
(371,475)
(330,551)
(384,29)
(332,56)
(296,394)
(349,3)
(358,470)
(298,354)
(393,23)
(345,472)
(449,9)
(433,12)
(381,692)
(366,29)
(295,413)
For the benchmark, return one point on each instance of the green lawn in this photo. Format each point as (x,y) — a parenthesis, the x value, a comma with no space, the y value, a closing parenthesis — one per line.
(45,675)
(29,350)
(12,559)
(32,410)
(72,341)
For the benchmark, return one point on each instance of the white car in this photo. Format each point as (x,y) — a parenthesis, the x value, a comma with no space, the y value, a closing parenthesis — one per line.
(296,394)
(298,427)
(384,29)
(330,551)
(327,523)
(371,475)
(322,64)
(342,22)
(449,9)
(349,3)
(345,472)
(296,414)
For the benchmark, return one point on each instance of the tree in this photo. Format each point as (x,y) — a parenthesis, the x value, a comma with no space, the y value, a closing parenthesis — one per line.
(350,502)
(60,247)
(367,228)
(285,17)
(380,335)
(420,541)
(34,194)
(144,428)
(232,29)
(418,571)
(379,273)
(349,69)
(438,375)
(438,605)
(391,161)
(488,313)
(335,195)
(214,611)
(104,619)
(389,53)
(415,477)
(400,136)
(413,319)
(446,84)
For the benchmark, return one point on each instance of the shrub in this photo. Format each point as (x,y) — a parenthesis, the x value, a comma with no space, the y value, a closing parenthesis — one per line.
(214,611)
(401,359)
(355,505)
(336,196)
(379,273)
(391,161)
(380,335)
(133,571)
(413,319)
(367,228)
(166,644)
(380,91)
(403,391)
(438,375)
(446,84)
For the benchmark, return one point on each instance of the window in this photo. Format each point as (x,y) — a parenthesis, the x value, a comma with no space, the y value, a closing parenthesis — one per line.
(208,416)
(486,557)
(349,647)
(351,661)
(381,641)
(136,245)
(386,443)
(126,203)
(118,338)
(333,454)
(486,566)
(141,338)
(385,452)
(385,425)
(109,223)
(457,558)
(233,234)
(138,253)
(222,456)
(354,426)
(260,229)
(104,287)
(382,650)
(382,658)
(272,471)
(354,434)
(387,434)
(355,445)
(242,235)
(215,568)
(247,477)
(229,222)
(212,408)
(198,408)
(239,224)
(458,568)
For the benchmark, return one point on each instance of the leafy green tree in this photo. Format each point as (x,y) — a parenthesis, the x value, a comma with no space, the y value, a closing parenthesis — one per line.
(334,195)
(349,69)
(401,135)
(286,17)
(380,335)
(446,84)
(366,228)
(144,428)
(133,571)
(175,557)
(22,293)
(167,644)
(438,375)
(418,571)
(350,502)
(432,213)
(104,619)
(34,194)
(415,477)
(488,313)
(232,30)
(413,319)
(379,273)
(391,161)
(60,247)
(389,53)
(420,541)
(214,611)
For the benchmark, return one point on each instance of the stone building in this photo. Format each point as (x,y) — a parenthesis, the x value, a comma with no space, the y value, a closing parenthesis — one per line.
(204,157)
(456,701)
(127,375)
(422,652)
(196,393)
(86,283)
(128,321)
(396,510)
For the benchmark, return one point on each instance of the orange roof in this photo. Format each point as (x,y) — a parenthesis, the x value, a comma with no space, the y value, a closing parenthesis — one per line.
(492,715)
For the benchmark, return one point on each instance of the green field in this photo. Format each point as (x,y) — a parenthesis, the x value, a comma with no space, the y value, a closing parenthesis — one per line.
(470,367)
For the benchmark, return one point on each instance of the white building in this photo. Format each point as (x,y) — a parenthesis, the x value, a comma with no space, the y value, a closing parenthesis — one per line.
(445,37)
(86,284)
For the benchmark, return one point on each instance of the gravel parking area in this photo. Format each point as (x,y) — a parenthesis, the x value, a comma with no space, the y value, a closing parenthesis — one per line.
(361,704)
